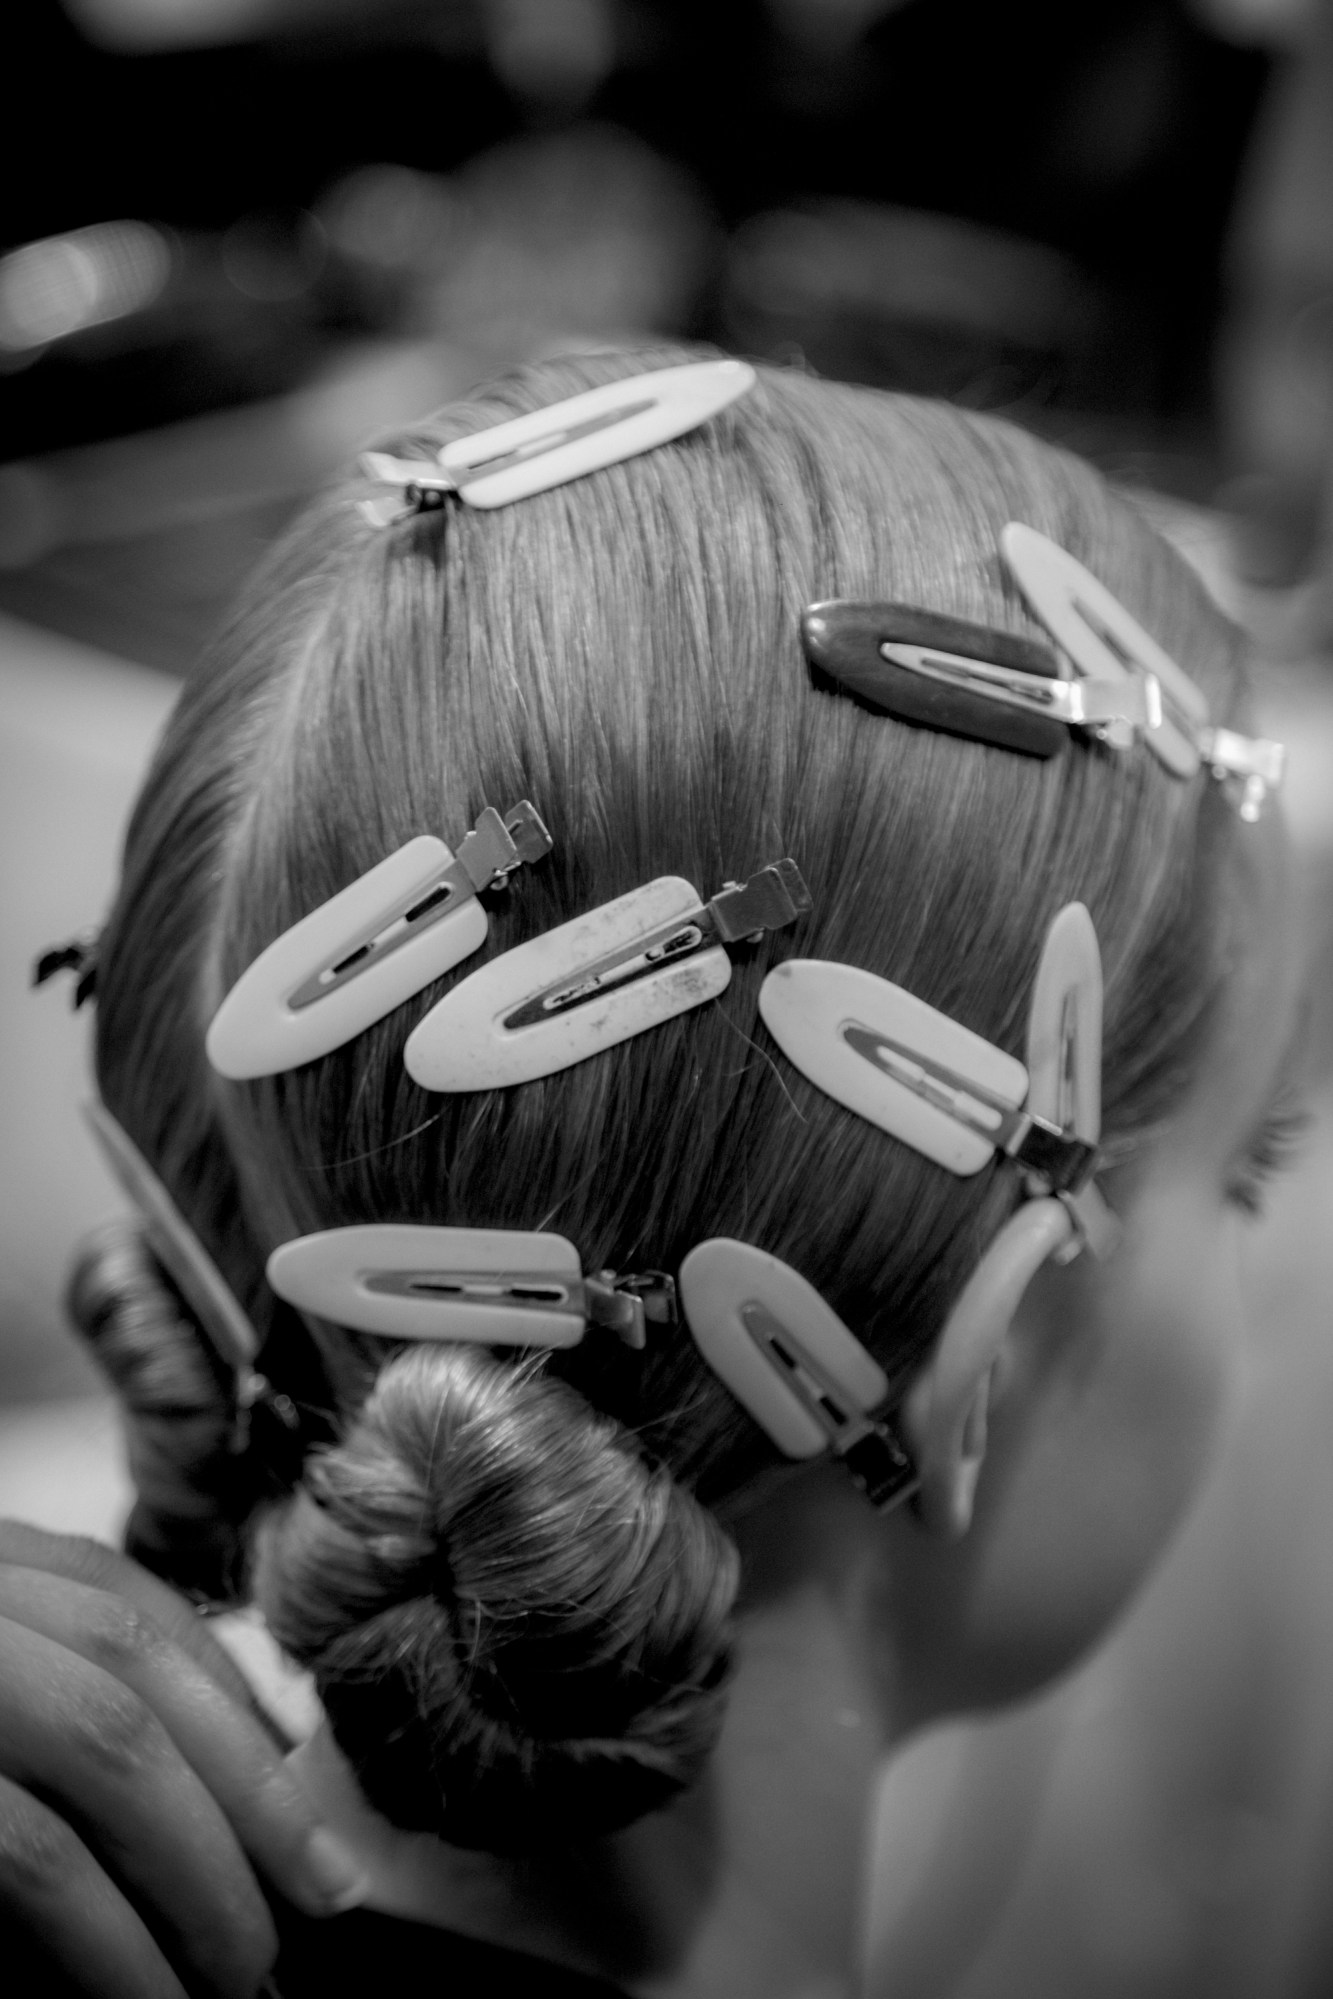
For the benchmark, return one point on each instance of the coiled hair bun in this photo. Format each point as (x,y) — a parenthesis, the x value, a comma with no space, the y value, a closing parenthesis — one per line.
(518,1625)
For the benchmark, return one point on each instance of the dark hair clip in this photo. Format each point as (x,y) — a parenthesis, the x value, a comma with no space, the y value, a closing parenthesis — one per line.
(79,955)
(968,680)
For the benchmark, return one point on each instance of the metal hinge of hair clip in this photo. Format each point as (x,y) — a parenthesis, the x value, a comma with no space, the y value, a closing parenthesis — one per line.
(1103,675)
(77,955)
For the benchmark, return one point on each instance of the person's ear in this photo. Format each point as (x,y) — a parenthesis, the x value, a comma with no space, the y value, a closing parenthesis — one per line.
(945,1411)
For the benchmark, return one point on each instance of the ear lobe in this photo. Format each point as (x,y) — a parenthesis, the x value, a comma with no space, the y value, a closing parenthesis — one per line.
(946,1409)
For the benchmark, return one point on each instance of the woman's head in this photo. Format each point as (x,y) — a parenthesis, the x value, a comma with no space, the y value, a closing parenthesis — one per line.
(625,651)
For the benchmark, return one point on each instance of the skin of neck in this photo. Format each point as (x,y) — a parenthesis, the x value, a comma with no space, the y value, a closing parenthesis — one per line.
(750,1884)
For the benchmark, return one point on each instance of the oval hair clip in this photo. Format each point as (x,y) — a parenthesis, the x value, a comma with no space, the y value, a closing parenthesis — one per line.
(396,928)
(1064,1037)
(495,1287)
(888,1056)
(548,447)
(1064,1063)
(883,654)
(1104,641)
(594,982)
(790,1361)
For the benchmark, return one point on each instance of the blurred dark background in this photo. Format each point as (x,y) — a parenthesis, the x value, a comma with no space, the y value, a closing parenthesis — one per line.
(244,234)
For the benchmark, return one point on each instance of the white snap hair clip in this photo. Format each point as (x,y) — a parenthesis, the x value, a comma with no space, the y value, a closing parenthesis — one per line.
(489,1287)
(594,982)
(350,962)
(217,1311)
(548,447)
(1106,643)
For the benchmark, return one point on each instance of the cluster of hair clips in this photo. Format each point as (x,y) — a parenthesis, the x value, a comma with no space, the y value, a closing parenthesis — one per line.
(1103,674)
(905,1067)
(622,969)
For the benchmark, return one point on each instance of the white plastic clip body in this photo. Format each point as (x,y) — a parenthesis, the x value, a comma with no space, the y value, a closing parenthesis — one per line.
(217,1311)
(353,960)
(1105,643)
(790,1361)
(594,982)
(176,1246)
(494,1287)
(951,1095)
(548,447)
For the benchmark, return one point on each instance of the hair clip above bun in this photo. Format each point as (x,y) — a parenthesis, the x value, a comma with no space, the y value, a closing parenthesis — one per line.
(1105,642)
(790,1361)
(405,922)
(548,447)
(491,1287)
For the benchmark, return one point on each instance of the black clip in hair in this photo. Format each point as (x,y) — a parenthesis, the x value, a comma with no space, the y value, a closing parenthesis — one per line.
(79,955)
(924,678)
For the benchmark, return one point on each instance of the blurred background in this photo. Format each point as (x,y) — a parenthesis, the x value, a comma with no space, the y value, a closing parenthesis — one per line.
(239,237)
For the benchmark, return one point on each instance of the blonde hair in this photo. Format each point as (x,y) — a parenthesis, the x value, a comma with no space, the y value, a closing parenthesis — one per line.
(624,650)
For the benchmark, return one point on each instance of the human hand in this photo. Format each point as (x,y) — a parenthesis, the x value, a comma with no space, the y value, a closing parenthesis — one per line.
(140,1794)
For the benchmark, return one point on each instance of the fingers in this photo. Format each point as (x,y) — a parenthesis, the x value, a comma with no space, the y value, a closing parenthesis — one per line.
(235,1760)
(96,1754)
(87,1561)
(76,1931)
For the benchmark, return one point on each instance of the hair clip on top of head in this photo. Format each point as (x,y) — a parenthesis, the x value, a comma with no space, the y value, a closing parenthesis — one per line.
(353,960)
(494,1287)
(1106,642)
(610,974)
(548,447)
(968,680)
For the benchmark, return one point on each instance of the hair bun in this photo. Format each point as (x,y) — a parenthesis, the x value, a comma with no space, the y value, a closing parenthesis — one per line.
(519,1627)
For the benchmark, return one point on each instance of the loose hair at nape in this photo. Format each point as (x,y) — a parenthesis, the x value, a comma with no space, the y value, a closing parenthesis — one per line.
(625,651)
